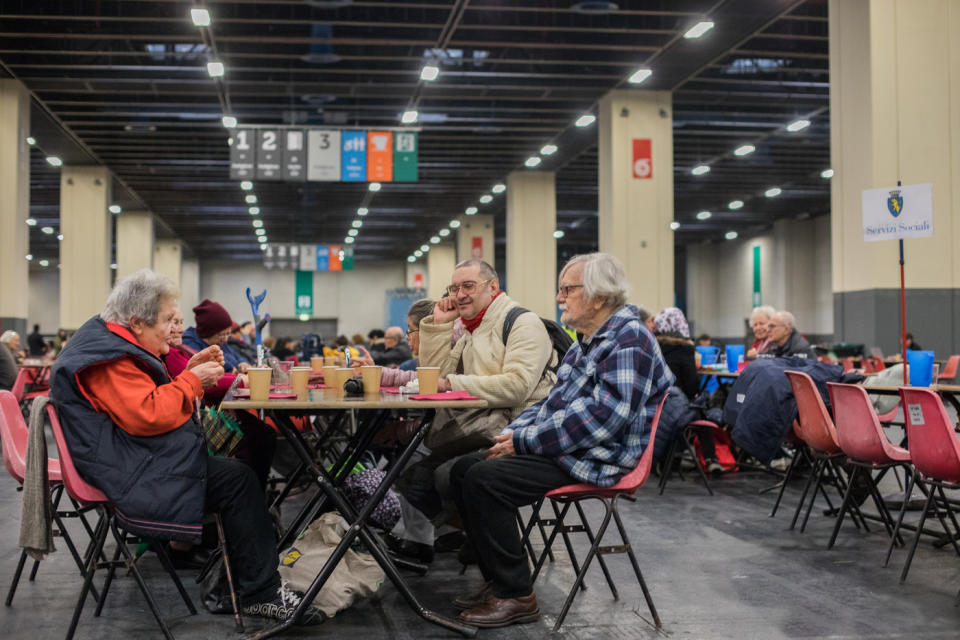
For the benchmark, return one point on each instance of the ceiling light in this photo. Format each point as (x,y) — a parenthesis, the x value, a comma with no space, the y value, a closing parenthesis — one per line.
(353,232)
(254,211)
(251,198)
(434,239)
(263,247)
(261,239)
(257,223)
(454,224)
(229,122)
(735,204)
(411,259)
(424,248)
(826,173)
(798,125)
(259,232)
(362,211)
(533,161)
(246,185)
(704,215)
(114,208)
(348,240)
(674,225)
(548,149)
(486,199)
(499,188)
(47,230)
(29,256)
(60,237)
(374,186)
(470,211)
(773,192)
(698,29)
(409,116)
(443,233)
(31,222)
(54,161)
(585,120)
(558,234)
(639,76)
(730,235)
(200,17)
(31,140)
(700,169)
(44,263)
(418,253)
(429,72)
(744,150)
(215,69)
(357,224)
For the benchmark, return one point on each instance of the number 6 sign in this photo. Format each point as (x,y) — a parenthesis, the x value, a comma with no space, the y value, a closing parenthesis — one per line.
(642,159)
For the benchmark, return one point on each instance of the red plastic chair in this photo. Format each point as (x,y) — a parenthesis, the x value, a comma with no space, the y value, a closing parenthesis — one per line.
(88,495)
(866,446)
(935,453)
(878,364)
(674,452)
(950,369)
(847,364)
(27,377)
(573,494)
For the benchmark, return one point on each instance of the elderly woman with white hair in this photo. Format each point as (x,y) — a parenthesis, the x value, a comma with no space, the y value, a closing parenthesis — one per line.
(759,321)
(133,433)
(8,362)
(592,427)
(11,340)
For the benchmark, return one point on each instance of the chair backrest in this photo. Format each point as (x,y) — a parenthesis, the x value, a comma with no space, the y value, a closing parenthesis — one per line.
(878,364)
(858,429)
(814,425)
(934,449)
(13,436)
(77,487)
(24,376)
(847,364)
(950,369)
(867,364)
(635,479)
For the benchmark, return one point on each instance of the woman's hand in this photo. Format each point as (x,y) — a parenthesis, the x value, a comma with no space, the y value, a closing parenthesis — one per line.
(208,372)
(210,354)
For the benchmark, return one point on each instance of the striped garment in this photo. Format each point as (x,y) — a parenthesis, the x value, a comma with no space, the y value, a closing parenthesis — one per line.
(596,419)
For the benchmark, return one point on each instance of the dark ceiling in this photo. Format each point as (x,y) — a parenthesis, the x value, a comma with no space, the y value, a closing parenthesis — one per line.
(124,83)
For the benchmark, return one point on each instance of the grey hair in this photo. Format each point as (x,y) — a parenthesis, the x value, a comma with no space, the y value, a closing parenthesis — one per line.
(766,310)
(642,313)
(8,336)
(787,318)
(486,271)
(420,310)
(604,277)
(139,295)
(394,332)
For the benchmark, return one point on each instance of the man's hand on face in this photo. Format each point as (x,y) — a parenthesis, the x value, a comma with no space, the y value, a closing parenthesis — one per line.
(208,372)
(445,311)
(210,354)
(503,446)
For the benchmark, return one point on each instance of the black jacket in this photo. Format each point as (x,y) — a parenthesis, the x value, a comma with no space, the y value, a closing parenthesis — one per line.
(394,355)
(679,355)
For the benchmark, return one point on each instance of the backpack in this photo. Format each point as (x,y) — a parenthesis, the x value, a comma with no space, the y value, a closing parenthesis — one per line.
(559,338)
(312,345)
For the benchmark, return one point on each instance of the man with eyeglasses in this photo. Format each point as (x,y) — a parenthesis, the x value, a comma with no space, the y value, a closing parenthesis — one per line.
(784,338)
(510,377)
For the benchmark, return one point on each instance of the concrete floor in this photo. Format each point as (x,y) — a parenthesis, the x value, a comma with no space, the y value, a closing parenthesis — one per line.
(718,567)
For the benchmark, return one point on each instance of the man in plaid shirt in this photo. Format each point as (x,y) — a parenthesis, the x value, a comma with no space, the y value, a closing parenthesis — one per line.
(592,427)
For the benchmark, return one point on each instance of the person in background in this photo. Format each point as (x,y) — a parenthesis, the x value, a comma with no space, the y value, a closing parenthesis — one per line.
(212,327)
(911,345)
(395,350)
(35,343)
(397,377)
(11,340)
(341,344)
(8,369)
(376,340)
(249,333)
(238,342)
(759,322)
(784,338)
(704,340)
(358,339)
(286,349)
(646,318)
(59,341)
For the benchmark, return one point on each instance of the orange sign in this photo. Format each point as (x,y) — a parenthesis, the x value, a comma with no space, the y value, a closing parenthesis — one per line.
(380,156)
(335,260)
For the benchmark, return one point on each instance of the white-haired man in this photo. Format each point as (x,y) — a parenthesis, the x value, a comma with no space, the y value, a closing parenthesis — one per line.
(784,338)
(592,427)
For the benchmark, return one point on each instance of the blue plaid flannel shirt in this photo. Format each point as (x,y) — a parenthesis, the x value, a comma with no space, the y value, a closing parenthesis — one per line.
(596,420)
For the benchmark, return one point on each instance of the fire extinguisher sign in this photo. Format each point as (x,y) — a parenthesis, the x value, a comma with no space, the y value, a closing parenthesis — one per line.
(642,159)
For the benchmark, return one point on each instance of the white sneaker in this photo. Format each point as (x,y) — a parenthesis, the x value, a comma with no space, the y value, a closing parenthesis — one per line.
(282,606)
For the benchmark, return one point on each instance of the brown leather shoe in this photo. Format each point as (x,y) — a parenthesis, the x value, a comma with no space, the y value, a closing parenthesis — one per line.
(475,599)
(501,612)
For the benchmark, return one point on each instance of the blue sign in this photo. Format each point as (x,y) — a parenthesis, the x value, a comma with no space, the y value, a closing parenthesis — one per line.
(353,160)
(323,258)
(895,203)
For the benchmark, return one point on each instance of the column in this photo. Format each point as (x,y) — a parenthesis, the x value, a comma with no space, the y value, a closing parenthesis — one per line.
(87,229)
(531,247)
(895,115)
(134,242)
(189,284)
(635,201)
(475,239)
(14,205)
(441,259)
(167,259)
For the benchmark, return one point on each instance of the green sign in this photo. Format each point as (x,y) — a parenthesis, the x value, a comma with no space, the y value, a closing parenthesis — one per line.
(346,263)
(405,147)
(756,276)
(304,293)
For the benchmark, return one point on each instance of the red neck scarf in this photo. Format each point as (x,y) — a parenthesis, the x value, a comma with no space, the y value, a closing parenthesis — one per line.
(475,321)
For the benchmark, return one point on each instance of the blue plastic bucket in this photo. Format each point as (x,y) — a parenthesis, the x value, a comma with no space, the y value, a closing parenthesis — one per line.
(921,367)
(708,355)
(734,353)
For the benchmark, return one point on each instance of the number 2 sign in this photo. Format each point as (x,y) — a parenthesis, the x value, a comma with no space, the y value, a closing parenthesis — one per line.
(642,159)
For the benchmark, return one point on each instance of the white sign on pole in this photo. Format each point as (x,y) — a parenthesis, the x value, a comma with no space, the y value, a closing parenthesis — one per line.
(323,155)
(898,212)
(308,257)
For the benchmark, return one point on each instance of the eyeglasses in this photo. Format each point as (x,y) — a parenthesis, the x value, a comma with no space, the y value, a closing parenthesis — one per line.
(410,332)
(468,287)
(565,290)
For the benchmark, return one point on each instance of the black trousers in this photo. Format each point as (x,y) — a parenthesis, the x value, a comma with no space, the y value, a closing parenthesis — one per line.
(233,490)
(488,493)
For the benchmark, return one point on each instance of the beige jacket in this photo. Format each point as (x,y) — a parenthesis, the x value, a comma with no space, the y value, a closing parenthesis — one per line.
(513,377)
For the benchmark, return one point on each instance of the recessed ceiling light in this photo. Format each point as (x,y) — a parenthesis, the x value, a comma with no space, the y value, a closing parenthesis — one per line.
(773,192)
(409,116)
(246,185)
(44,263)
(425,248)
(60,237)
(362,211)
(434,239)
(31,140)
(263,247)
(31,222)
(348,240)
(251,198)
(215,69)
(700,169)
(454,224)
(200,17)
(674,225)
(114,208)
(257,223)
(486,198)
(585,120)
(254,211)
(54,161)
(229,122)
(29,256)
(357,224)
(704,215)
(826,173)
(353,232)
(499,188)
(639,76)
(429,72)
(730,235)
(558,234)
(418,253)
(47,230)
(548,149)
(698,29)
(798,125)
(735,204)
(261,239)
(411,259)
(533,161)
(744,150)
(259,232)
(470,211)
(374,186)
(443,233)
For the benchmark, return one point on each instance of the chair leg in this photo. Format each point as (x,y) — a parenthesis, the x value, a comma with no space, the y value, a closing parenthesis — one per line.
(813,498)
(903,509)
(16,577)
(96,546)
(582,571)
(666,468)
(168,565)
(953,519)
(633,561)
(843,508)
(238,620)
(696,461)
(111,572)
(785,481)
(603,563)
(806,489)
(525,529)
(560,515)
(916,537)
(138,577)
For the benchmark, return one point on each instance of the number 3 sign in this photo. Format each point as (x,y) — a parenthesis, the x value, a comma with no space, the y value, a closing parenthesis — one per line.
(642,159)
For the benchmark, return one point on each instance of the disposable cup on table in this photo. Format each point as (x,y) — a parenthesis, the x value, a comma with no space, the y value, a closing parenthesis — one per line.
(734,356)
(343,374)
(371,379)
(920,370)
(259,380)
(299,376)
(427,378)
(330,376)
(316,364)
